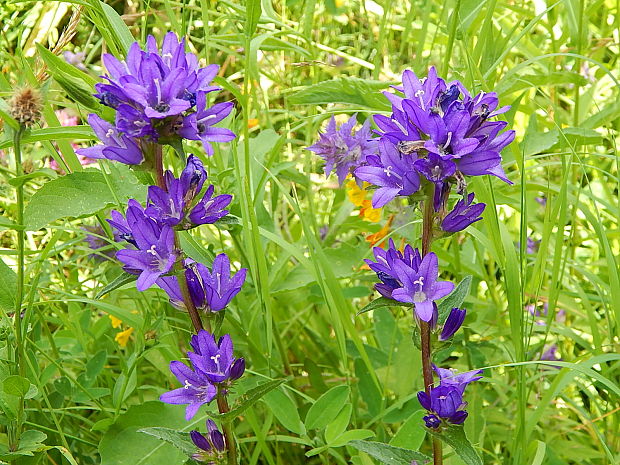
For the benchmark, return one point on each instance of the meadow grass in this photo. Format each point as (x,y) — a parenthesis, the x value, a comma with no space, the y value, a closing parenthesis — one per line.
(555,63)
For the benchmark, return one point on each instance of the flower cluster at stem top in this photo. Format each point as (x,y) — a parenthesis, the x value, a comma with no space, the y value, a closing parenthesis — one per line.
(160,96)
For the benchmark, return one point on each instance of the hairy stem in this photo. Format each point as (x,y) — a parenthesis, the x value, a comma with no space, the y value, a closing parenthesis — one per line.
(229,437)
(187,298)
(15,431)
(425,330)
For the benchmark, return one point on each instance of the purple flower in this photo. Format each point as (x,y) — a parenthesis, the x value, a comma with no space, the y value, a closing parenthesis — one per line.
(453,323)
(448,377)
(172,206)
(116,146)
(342,148)
(211,445)
(550,353)
(532,245)
(215,369)
(462,215)
(444,402)
(76,59)
(209,209)
(155,254)
(199,125)
(391,172)
(211,291)
(96,241)
(420,286)
(384,266)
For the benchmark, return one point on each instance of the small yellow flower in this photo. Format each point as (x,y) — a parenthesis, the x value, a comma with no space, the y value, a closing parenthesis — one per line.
(123,337)
(369,213)
(252,122)
(116,322)
(355,194)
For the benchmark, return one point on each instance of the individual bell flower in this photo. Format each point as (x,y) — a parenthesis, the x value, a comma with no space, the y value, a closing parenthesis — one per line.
(211,290)
(209,209)
(449,377)
(453,323)
(155,253)
(116,145)
(420,287)
(385,269)
(215,359)
(444,403)
(391,172)
(211,445)
(425,92)
(344,149)
(199,125)
(214,370)
(462,215)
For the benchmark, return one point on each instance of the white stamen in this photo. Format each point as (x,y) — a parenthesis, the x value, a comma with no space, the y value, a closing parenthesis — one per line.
(448,140)
(388,171)
(152,251)
(110,133)
(420,281)
(216,360)
(187,385)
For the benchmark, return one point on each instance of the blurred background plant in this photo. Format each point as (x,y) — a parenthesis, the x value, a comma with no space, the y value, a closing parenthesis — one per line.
(544,259)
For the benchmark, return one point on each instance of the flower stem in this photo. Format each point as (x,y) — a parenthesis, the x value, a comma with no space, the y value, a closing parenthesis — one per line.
(229,437)
(15,431)
(425,330)
(187,298)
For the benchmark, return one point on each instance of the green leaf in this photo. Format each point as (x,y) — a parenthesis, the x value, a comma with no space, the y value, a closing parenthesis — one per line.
(389,455)
(253,11)
(123,444)
(8,287)
(178,439)
(16,385)
(285,410)
(80,194)
(119,281)
(78,84)
(351,90)
(30,441)
(95,365)
(455,299)
(351,435)
(455,437)
(327,407)
(80,132)
(117,27)
(411,433)
(382,302)
(338,426)
(246,400)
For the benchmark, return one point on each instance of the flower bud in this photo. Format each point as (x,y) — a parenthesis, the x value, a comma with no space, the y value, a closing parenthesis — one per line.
(453,323)
(237,369)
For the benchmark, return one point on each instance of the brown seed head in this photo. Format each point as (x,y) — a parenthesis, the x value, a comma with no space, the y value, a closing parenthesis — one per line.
(26,106)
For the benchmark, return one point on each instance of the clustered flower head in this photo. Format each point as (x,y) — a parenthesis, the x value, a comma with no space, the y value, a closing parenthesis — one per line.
(445,402)
(160,95)
(439,133)
(342,148)
(214,371)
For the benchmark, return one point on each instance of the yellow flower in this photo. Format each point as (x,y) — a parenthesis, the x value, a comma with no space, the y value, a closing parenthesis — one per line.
(252,122)
(355,194)
(123,337)
(368,213)
(116,322)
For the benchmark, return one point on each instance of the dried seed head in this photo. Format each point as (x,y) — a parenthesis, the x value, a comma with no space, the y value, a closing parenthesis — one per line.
(25,106)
